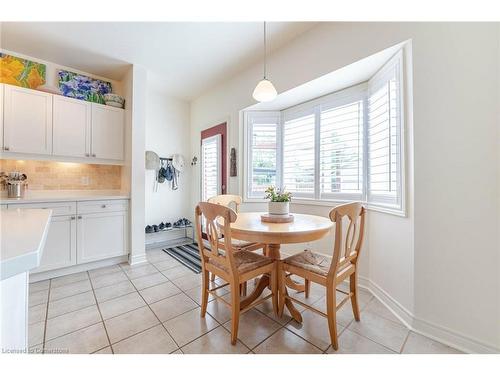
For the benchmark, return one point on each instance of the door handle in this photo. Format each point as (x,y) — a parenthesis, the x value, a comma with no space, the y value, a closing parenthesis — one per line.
(73,218)
(6,148)
(79,217)
(93,155)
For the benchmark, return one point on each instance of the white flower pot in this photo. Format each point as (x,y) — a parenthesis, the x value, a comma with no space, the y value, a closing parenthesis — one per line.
(279,208)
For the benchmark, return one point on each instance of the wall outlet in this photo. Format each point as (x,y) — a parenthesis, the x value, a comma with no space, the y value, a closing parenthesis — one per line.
(85,180)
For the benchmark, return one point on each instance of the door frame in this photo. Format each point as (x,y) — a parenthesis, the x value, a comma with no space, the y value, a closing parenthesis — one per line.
(210,132)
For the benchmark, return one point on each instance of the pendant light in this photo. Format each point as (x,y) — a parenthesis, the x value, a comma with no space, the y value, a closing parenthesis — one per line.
(264,91)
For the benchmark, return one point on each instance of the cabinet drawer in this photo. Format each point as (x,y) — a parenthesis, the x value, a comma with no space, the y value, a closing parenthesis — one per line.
(58,208)
(89,207)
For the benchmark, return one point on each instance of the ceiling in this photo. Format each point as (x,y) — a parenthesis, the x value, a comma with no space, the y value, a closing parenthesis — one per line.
(347,76)
(183,59)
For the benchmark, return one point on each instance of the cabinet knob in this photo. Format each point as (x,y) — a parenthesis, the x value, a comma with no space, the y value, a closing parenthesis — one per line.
(79,217)
(87,154)
(103,206)
(73,218)
(6,148)
(93,155)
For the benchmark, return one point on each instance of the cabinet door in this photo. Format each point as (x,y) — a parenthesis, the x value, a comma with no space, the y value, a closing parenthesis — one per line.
(60,246)
(27,120)
(108,132)
(71,127)
(101,236)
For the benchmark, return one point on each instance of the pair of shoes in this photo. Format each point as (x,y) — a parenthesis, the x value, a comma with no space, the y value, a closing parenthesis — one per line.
(149,229)
(181,223)
(155,227)
(163,226)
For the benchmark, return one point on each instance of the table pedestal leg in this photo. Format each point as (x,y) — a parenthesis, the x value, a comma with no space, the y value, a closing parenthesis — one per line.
(296,286)
(274,253)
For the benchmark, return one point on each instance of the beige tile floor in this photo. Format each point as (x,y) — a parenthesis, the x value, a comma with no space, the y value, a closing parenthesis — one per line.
(154,308)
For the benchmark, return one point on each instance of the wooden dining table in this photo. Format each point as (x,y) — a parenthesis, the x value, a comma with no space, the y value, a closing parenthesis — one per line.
(304,228)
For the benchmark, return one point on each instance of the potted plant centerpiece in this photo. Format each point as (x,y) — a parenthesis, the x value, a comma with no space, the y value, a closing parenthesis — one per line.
(279,201)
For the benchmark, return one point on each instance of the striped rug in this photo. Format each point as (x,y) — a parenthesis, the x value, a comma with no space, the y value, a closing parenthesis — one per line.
(188,255)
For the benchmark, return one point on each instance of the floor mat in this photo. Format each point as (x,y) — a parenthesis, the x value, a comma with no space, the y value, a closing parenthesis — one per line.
(188,255)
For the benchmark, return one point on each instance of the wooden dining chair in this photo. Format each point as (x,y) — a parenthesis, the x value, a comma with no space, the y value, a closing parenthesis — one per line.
(234,267)
(230,200)
(330,271)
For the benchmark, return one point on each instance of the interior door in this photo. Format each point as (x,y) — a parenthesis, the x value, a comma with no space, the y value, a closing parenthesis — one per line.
(213,161)
(211,167)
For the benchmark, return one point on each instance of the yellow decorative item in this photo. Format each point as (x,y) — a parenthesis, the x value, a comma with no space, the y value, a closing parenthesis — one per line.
(21,72)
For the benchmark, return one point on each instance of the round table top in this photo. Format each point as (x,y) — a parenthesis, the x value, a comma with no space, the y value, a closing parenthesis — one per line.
(304,228)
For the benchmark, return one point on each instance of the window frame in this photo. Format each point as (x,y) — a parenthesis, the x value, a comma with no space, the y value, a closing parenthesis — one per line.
(345,96)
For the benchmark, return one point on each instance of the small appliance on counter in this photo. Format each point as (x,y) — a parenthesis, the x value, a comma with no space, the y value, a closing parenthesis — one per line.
(15,183)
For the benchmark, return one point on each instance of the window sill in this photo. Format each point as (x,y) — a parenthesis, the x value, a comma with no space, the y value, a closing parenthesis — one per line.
(334,203)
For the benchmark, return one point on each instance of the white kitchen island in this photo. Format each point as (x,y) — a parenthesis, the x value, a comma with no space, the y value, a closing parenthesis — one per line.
(23,234)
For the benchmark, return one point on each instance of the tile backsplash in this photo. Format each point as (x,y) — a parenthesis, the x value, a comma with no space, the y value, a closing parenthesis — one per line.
(52,175)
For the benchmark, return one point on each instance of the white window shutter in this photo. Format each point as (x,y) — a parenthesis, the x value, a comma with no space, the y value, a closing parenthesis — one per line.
(262,152)
(299,154)
(384,137)
(341,151)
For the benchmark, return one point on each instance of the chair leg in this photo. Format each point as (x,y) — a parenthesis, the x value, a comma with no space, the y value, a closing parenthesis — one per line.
(331,309)
(353,287)
(282,289)
(307,288)
(243,289)
(235,312)
(204,293)
(274,287)
(212,277)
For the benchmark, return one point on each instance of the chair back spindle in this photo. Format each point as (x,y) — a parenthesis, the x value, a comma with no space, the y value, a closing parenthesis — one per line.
(347,245)
(217,220)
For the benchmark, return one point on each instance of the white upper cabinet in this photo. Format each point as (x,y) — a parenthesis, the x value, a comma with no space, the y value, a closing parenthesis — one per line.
(27,121)
(71,127)
(36,122)
(108,132)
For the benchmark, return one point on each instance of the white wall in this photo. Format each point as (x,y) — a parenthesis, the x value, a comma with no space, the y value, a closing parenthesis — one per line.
(440,264)
(137,129)
(167,133)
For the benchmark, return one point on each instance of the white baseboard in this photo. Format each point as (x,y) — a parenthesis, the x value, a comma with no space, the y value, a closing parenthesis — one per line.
(430,330)
(34,277)
(137,259)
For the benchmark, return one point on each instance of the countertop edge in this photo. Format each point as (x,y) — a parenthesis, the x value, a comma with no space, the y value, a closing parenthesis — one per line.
(62,199)
(27,261)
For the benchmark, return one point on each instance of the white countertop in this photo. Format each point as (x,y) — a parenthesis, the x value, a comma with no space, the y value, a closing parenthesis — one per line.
(36,196)
(23,234)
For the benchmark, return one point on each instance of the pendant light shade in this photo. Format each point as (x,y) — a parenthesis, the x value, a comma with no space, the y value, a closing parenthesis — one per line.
(264,91)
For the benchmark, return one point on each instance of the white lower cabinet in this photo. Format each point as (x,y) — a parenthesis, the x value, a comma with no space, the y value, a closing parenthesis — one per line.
(60,246)
(101,235)
(82,232)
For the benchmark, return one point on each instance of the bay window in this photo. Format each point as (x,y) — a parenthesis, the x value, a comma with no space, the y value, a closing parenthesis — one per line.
(341,147)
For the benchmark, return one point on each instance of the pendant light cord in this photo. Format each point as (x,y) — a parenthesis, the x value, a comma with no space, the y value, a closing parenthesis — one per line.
(265,50)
